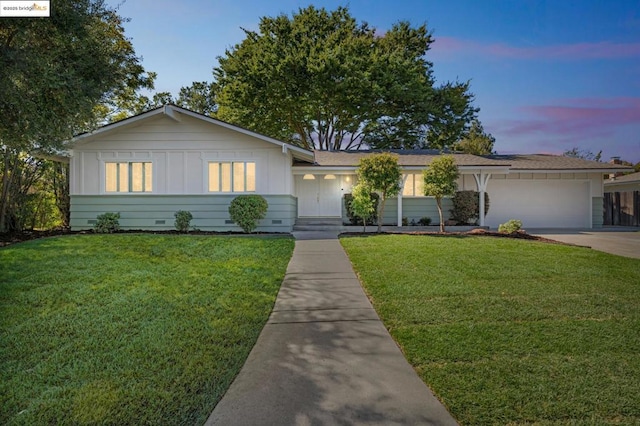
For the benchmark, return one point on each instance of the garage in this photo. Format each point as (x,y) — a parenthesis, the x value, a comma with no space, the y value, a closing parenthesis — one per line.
(540,203)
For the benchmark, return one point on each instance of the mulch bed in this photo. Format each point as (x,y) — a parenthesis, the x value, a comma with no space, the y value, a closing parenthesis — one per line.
(18,237)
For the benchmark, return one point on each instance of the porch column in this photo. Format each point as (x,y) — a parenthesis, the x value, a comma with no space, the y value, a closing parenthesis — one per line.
(402,182)
(482,180)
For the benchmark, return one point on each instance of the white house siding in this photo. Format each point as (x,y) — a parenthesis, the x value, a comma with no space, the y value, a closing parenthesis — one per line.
(546,199)
(156,212)
(180,152)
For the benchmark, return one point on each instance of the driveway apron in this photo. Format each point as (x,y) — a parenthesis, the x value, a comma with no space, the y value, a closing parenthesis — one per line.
(620,241)
(324,357)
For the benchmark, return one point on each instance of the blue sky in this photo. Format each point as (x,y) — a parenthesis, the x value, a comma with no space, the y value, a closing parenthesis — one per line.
(547,75)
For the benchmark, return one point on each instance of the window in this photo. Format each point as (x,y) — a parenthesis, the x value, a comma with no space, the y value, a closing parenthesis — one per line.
(413,185)
(128,177)
(237,176)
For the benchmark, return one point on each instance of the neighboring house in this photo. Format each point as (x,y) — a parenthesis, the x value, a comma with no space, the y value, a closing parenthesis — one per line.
(622,200)
(624,183)
(149,166)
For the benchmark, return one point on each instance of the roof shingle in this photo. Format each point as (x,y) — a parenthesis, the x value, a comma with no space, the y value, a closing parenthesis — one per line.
(420,158)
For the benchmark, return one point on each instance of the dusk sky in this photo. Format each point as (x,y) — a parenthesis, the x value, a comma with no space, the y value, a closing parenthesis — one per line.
(547,75)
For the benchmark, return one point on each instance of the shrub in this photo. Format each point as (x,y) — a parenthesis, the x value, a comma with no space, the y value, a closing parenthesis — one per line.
(247,210)
(466,206)
(510,227)
(107,223)
(354,219)
(405,221)
(424,221)
(183,220)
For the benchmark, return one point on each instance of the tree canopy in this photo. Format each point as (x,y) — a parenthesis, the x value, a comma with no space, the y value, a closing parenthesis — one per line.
(440,181)
(585,154)
(54,71)
(476,141)
(54,75)
(321,80)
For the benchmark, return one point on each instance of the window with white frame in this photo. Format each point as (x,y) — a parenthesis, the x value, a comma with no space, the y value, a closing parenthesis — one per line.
(128,177)
(413,185)
(232,176)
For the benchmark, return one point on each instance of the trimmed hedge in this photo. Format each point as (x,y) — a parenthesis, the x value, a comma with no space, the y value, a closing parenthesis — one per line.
(466,206)
(247,210)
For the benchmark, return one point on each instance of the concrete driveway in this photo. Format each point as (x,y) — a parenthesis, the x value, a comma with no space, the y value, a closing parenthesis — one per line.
(620,241)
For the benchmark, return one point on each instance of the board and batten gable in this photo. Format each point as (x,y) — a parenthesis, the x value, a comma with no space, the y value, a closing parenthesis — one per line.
(180,152)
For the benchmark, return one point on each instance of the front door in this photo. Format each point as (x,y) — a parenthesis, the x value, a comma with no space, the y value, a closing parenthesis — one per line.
(319,197)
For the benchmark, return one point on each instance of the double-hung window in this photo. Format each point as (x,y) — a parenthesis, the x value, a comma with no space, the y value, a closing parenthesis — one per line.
(413,185)
(128,177)
(232,176)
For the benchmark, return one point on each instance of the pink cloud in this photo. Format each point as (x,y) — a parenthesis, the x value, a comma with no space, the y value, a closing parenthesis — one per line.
(573,117)
(576,51)
(612,124)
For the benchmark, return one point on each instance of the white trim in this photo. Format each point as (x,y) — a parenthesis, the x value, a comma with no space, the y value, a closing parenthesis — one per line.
(400,197)
(482,181)
(561,171)
(102,176)
(208,162)
(170,112)
(590,201)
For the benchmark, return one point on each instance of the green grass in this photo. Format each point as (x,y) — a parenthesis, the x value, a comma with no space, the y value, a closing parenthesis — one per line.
(510,331)
(130,329)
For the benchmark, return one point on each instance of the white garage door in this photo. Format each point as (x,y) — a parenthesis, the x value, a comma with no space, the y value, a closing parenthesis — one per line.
(539,203)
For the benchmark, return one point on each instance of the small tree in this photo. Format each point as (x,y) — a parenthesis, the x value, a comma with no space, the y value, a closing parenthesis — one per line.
(354,219)
(246,210)
(440,181)
(381,173)
(362,203)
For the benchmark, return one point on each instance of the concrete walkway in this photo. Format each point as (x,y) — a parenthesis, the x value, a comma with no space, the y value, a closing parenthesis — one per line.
(620,241)
(324,357)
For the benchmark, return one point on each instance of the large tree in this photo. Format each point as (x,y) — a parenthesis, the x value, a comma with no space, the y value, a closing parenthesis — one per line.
(53,73)
(321,80)
(199,97)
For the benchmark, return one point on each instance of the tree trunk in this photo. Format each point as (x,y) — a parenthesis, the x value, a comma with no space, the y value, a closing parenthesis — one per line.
(60,183)
(439,203)
(383,199)
(7,177)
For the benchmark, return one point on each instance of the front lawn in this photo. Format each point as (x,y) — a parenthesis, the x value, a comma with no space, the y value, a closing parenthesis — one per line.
(511,331)
(130,329)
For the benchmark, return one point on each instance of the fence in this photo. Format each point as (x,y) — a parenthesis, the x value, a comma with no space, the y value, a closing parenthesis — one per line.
(622,208)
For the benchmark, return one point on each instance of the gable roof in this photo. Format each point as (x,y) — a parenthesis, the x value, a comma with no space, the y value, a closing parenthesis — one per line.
(556,162)
(174,112)
(630,178)
(423,157)
(406,158)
